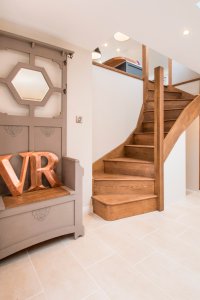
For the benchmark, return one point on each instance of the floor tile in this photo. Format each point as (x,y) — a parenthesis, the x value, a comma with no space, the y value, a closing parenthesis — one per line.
(92,221)
(15,261)
(171,277)
(97,296)
(120,282)
(174,248)
(89,249)
(61,275)
(40,296)
(19,283)
(175,211)
(191,219)
(135,227)
(191,237)
(165,225)
(131,249)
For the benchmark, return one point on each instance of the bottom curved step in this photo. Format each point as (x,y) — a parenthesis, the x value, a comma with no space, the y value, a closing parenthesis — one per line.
(113,207)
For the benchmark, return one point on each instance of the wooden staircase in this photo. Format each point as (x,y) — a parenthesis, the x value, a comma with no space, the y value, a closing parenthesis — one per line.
(124,180)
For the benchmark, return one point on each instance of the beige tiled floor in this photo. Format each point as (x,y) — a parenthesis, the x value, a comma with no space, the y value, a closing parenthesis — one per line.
(154,256)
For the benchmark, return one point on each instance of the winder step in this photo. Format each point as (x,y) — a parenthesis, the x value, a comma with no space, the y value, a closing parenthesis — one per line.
(145,152)
(148,126)
(169,113)
(169,104)
(145,138)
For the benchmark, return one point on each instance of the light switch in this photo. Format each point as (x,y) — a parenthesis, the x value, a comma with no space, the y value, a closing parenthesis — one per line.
(79,119)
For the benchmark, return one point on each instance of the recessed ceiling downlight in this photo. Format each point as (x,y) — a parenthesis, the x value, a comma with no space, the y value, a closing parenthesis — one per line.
(121,37)
(186,32)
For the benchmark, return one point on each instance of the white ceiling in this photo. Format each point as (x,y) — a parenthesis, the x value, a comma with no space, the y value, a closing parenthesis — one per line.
(129,49)
(88,23)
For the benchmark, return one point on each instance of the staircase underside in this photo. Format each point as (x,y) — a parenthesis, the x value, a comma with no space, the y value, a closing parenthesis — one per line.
(124,185)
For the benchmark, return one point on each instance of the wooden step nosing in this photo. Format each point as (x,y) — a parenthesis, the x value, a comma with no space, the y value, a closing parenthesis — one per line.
(140,146)
(148,133)
(125,179)
(140,198)
(165,109)
(168,120)
(167,91)
(173,99)
(130,161)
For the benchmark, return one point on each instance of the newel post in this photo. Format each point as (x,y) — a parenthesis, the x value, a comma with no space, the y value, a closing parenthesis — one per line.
(159,136)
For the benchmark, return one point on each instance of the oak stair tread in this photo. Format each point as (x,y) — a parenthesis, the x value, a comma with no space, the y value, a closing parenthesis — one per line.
(107,176)
(148,132)
(165,109)
(128,159)
(140,146)
(117,199)
(173,99)
(168,91)
(167,120)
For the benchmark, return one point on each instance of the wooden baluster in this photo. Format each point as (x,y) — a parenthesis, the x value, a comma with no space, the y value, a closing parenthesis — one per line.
(159,135)
(169,72)
(145,72)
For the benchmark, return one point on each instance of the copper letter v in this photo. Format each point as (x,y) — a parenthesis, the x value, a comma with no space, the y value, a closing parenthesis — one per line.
(7,172)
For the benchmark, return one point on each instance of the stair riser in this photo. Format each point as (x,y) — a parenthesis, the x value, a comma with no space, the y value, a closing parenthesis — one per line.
(102,187)
(139,153)
(115,212)
(127,168)
(169,114)
(167,95)
(149,127)
(143,139)
(169,104)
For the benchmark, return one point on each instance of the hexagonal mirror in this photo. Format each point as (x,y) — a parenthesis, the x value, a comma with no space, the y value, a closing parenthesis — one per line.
(30,85)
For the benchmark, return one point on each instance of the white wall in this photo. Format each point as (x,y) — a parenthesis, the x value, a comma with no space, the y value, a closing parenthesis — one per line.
(192,87)
(79,136)
(182,73)
(192,155)
(181,169)
(175,172)
(192,144)
(117,100)
(155,60)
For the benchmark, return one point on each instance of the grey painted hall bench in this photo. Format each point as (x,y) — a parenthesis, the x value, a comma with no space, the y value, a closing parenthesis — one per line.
(42,215)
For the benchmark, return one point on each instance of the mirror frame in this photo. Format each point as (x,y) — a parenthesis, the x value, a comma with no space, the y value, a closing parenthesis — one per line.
(14,91)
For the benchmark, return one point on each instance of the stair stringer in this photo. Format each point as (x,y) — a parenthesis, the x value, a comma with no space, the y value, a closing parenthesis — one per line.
(188,115)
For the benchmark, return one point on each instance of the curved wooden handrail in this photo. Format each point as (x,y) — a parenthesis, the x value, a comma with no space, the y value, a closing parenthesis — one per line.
(186,81)
(189,114)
